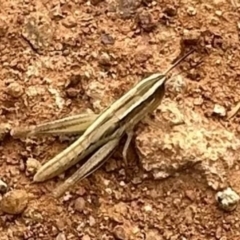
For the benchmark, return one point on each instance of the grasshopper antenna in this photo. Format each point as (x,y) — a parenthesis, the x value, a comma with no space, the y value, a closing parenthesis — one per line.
(178,61)
(183,71)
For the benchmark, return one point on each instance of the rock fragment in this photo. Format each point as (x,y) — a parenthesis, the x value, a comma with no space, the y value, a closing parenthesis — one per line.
(119,233)
(170,10)
(107,39)
(186,139)
(14,89)
(14,202)
(33,165)
(145,21)
(69,22)
(219,110)
(79,204)
(191,11)
(104,59)
(191,37)
(227,199)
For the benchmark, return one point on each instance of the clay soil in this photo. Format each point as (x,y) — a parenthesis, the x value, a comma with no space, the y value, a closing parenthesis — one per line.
(59,58)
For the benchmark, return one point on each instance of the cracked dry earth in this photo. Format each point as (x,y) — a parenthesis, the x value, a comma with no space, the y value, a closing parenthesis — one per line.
(59,58)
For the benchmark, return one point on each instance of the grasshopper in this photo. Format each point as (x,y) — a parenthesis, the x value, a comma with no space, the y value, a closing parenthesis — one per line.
(101,134)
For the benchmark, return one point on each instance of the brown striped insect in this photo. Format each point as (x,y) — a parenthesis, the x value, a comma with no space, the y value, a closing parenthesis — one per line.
(101,134)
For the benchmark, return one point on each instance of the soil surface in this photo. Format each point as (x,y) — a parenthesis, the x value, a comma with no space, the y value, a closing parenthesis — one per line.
(60,58)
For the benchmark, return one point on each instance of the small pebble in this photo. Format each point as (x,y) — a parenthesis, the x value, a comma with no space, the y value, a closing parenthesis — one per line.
(218,13)
(227,199)
(122,183)
(92,221)
(14,89)
(107,39)
(135,230)
(218,233)
(137,180)
(190,194)
(3,186)
(72,92)
(111,166)
(108,191)
(214,21)
(145,21)
(61,224)
(80,191)
(148,208)
(176,84)
(69,22)
(14,202)
(32,165)
(119,232)
(191,11)
(143,55)
(80,204)
(219,110)
(198,101)
(67,196)
(104,59)
(191,37)
(170,10)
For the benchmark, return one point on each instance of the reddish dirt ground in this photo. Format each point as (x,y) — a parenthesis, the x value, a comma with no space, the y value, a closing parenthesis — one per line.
(59,58)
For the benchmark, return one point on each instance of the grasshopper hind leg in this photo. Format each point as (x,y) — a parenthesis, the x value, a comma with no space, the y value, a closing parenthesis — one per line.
(126,146)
